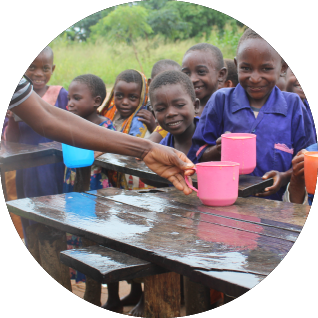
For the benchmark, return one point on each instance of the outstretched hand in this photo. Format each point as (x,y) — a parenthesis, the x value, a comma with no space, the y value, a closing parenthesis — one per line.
(171,164)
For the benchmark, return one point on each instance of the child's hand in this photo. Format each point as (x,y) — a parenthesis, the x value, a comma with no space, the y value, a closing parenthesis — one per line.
(297,181)
(148,119)
(280,179)
(298,168)
(218,142)
(213,153)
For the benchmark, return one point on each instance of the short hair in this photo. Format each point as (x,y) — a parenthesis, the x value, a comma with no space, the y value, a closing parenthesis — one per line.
(216,52)
(248,34)
(95,84)
(47,50)
(170,78)
(164,65)
(231,71)
(129,76)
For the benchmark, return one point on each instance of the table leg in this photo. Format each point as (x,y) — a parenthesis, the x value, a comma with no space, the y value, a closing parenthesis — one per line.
(162,295)
(3,183)
(93,289)
(51,243)
(196,297)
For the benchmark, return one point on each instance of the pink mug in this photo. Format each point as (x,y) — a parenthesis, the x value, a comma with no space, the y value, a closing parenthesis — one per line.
(241,148)
(217,182)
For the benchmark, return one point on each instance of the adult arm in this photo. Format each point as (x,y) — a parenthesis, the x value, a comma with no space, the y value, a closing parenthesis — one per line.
(60,125)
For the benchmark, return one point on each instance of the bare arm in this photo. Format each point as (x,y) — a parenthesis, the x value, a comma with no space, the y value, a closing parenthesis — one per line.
(60,125)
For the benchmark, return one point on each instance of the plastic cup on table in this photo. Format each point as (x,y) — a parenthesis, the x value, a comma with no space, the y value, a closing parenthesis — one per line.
(217,182)
(240,148)
(74,157)
(311,170)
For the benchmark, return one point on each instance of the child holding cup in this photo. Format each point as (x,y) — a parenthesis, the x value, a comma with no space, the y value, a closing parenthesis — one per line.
(257,106)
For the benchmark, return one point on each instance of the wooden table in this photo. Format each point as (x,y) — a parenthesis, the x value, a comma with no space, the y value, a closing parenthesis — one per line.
(15,156)
(230,249)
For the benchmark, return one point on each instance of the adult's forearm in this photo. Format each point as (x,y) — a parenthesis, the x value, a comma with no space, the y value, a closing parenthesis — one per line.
(63,126)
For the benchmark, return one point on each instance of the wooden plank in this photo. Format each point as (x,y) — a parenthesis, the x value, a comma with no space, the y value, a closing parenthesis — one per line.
(106,265)
(15,156)
(227,216)
(248,185)
(233,284)
(170,244)
(276,213)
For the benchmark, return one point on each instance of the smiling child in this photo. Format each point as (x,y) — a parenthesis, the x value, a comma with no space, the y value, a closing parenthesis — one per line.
(256,106)
(204,64)
(46,179)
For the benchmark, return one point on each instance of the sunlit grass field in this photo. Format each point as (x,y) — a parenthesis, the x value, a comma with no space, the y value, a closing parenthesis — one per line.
(107,61)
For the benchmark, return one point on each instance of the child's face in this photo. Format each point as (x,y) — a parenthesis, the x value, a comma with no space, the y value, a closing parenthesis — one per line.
(126,98)
(201,68)
(80,100)
(259,68)
(41,70)
(173,108)
(293,86)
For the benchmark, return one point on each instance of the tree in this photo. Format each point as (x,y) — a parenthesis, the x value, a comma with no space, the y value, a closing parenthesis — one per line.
(124,24)
(80,31)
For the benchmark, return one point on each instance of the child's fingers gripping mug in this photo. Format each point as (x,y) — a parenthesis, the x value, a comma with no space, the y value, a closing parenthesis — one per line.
(217,182)
(241,148)
(310,170)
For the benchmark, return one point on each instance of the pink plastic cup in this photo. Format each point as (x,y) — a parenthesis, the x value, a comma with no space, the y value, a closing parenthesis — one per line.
(217,182)
(241,148)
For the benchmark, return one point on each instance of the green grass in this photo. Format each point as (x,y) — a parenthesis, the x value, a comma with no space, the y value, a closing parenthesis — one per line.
(107,61)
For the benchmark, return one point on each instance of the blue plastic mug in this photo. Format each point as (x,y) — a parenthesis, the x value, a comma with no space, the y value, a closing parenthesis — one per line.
(74,157)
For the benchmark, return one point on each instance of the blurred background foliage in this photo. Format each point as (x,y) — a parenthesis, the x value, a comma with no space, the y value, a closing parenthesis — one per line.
(136,35)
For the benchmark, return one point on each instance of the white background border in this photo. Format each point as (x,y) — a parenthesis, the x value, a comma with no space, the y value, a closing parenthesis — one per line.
(28,26)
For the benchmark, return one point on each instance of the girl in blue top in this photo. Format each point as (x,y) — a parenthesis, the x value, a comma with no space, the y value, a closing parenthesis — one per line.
(256,105)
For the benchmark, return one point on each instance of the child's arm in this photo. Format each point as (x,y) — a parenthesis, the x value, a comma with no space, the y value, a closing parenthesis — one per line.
(213,153)
(147,118)
(155,137)
(297,191)
(280,179)
(12,132)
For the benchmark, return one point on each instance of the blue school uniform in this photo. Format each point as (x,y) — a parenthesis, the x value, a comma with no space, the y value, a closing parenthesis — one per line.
(282,127)
(311,117)
(169,139)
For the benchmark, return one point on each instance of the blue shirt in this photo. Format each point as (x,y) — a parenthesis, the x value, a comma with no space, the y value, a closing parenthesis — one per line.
(169,139)
(282,127)
(311,118)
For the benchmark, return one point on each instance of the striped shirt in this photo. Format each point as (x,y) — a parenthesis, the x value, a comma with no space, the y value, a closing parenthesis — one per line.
(22,92)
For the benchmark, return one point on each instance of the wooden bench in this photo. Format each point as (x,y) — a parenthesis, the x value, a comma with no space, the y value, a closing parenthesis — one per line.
(108,266)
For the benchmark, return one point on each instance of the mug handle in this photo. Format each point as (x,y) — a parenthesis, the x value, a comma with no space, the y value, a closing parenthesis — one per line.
(187,180)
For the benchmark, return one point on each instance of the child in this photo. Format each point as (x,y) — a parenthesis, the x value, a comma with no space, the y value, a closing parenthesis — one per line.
(128,97)
(204,64)
(46,179)
(86,93)
(163,65)
(257,106)
(293,86)
(232,77)
(174,103)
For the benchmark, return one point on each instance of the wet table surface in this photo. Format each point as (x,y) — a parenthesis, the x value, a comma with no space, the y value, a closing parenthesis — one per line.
(15,156)
(227,248)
